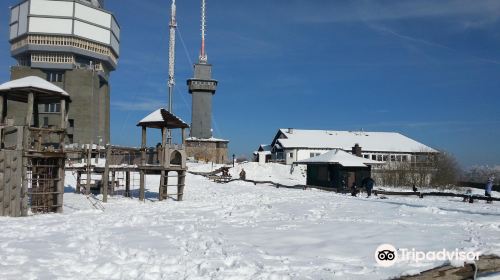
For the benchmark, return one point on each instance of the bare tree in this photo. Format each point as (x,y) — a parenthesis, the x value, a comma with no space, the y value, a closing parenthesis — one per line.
(447,170)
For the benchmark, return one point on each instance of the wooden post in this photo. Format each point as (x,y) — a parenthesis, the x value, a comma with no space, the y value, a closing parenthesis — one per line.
(183,136)
(2,181)
(27,120)
(180,184)
(60,185)
(3,113)
(63,123)
(163,145)
(78,182)
(113,181)
(105,176)
(142,187)
(163,188)
(89,174)
(127,184)
(36,116)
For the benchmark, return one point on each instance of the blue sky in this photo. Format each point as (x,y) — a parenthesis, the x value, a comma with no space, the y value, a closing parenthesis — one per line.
(428,69)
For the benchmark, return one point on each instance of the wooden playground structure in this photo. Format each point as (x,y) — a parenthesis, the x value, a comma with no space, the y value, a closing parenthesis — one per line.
(165,159)
(32,158)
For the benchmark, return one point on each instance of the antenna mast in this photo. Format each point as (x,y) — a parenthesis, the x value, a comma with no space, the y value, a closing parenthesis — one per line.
(171,56)
(203,55)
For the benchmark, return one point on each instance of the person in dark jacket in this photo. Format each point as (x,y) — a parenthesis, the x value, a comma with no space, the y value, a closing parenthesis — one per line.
(368,184)
(243,174)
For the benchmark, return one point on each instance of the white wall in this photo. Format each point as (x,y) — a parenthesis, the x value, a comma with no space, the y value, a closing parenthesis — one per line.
(115,28)
(115,45)
(51,8)
(13,31)
(93,15)
(92,32)
(23,19)
(51,25)
(14,14)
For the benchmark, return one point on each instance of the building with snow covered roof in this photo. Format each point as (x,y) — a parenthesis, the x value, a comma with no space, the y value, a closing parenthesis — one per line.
(293,145)
(74,44)
(337,169)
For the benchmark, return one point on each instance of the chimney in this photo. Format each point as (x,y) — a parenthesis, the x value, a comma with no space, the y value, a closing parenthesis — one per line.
(290,130)
(356,150)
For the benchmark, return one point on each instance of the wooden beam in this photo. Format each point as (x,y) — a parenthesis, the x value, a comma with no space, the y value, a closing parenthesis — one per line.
(3,113)
(89,174)
(127,184)
(78,182)
(63,124)
(105,175)
(36,115)
(27,120)
(142,179)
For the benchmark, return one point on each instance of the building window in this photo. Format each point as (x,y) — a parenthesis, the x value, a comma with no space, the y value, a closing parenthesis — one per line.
(393,158)
(291,155)
(71,123)
(55,77)
(70,138)
(405,158)
(366,156)
(45,121)
(374,157)
(312,155)
(53,108)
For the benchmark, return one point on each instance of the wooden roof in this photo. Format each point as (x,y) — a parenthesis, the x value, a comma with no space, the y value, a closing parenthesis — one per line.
(44,91)
(162,118)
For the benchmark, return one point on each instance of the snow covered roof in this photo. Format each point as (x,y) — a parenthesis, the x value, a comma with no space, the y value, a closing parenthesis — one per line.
(338,156)
(162,118)
(30,83)
(345,140)
(212,139)
(265,148)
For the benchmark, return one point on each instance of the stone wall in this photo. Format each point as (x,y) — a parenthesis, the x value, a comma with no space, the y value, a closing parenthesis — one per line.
(209,151)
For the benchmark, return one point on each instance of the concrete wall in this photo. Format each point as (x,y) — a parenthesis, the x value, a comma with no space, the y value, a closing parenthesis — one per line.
(90,107)
(201,119)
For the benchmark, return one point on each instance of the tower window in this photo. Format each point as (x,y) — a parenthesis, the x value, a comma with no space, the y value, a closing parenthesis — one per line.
(55,77)
(71,123)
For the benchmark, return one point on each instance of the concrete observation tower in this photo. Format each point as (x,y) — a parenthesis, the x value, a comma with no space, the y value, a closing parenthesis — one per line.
(74,44)
(201,144)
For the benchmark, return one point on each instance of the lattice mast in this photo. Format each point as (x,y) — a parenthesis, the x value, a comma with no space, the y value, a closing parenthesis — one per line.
(171,56)
(203,54)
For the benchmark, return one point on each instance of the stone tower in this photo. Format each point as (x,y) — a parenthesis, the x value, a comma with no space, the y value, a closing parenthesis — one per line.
(202,145)
(74,44)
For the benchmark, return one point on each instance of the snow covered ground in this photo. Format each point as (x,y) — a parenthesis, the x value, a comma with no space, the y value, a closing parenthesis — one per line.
(240,231)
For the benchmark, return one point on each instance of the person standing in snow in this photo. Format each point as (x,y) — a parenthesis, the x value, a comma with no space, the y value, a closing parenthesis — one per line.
(368,184)
(488,189)
(243,174)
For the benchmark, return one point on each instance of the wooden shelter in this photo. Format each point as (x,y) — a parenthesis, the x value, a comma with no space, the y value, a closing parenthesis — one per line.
(31,158)
(337,170)
(171,157)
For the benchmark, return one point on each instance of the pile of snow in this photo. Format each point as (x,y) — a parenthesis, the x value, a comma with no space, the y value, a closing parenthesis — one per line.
(275,172)
(240,231)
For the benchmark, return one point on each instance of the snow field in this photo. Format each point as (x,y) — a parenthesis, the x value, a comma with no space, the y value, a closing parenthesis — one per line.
(240,231)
